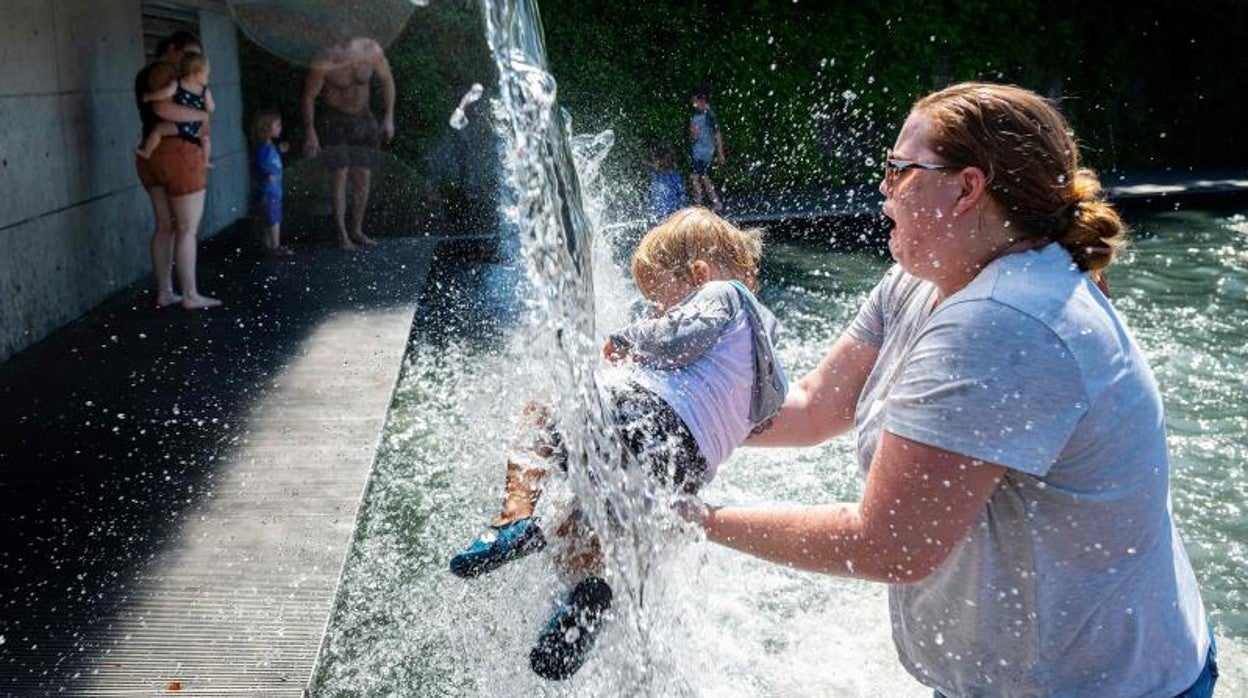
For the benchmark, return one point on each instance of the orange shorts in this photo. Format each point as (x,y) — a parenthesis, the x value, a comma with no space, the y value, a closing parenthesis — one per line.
(177,166)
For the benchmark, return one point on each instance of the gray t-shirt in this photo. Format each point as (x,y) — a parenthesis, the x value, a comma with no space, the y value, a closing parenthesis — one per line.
(712,359)
(1073,580)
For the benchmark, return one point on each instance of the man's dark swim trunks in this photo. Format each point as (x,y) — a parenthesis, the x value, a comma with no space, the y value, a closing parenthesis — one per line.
(348,140)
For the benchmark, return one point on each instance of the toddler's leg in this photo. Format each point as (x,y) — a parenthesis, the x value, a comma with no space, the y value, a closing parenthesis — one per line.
(277,241)
(534,447)
(515,533)
(580,553)
(159,131)
(522,488)
(716,204)
(575,622)
(268,238)
(696,180)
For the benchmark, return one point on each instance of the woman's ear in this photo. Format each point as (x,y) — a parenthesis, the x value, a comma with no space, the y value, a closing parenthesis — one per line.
(974,183)
(701,272)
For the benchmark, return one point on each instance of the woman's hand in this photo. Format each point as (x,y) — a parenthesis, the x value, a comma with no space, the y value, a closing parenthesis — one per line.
(612,353)
(694,510)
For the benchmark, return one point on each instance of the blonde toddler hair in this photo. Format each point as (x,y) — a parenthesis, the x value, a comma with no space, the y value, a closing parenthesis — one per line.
(191,64)
(694,234)
(262,125)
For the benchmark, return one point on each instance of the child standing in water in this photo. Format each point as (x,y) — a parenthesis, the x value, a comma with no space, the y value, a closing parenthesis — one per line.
(685,389)
(708,143)
(189,90)
(266,177)
(667,189)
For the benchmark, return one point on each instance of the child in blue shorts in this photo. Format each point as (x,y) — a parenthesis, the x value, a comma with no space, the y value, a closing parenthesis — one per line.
(708,143)
(266,166)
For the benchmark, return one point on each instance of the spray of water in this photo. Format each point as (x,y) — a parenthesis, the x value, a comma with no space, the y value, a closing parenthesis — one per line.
(458,119)
(557,243)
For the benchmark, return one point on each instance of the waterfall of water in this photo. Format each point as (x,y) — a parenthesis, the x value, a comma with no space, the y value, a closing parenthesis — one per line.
(558,247)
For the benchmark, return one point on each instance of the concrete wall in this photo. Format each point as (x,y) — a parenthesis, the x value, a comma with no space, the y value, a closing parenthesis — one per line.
(74,222)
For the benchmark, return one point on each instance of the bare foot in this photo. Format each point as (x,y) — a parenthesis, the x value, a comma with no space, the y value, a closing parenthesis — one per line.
(145,154)
(362,239)
(164,299)
(198,302)
(346,244)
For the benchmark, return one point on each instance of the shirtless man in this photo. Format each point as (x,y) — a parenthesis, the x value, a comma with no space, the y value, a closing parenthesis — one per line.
(347,133)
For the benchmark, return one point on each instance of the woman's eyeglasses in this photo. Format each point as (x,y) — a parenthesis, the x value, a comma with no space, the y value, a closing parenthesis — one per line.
(893,167)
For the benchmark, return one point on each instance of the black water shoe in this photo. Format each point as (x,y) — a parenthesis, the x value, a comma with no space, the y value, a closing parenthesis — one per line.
(570,634)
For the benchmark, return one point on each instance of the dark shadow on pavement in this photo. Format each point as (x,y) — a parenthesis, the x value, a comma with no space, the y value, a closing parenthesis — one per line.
(110,428)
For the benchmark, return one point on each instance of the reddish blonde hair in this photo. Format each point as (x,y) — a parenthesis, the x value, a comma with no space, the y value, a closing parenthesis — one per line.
(1031,158)
(693,234)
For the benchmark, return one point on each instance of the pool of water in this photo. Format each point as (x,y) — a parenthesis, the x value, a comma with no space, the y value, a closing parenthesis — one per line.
(715,622)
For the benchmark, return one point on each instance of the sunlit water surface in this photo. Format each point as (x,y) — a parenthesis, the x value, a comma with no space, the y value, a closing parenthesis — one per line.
(717,623)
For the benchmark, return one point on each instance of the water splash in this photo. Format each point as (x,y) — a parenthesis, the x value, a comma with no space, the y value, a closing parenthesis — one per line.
(557,245)
(458,119)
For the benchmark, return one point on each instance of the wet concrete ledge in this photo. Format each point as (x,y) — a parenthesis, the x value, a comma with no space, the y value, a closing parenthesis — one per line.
(179,490)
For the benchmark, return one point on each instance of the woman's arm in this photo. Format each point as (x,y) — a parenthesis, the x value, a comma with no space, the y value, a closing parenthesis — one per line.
(918,504)
(169,111)
(165,92)
(821,405)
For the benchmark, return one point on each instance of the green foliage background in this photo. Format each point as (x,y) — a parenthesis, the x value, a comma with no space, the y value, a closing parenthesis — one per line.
(809,93)
(1152,85)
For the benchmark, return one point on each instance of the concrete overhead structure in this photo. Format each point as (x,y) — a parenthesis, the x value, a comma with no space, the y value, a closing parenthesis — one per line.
(74,222)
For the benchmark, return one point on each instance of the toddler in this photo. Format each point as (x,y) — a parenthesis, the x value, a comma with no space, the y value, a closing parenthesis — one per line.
(189,90)
(686,387)
(266,176)
(667,189)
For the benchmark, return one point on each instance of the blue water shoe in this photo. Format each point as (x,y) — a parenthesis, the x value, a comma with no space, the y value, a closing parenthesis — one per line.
(497,546)
(569,635)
